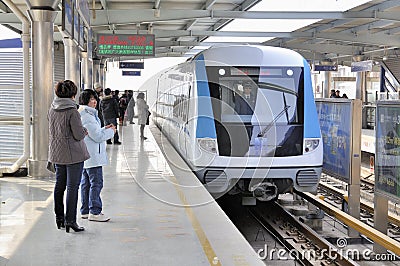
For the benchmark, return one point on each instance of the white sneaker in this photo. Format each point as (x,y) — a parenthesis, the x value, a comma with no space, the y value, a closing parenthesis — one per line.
(98,218)
(84,216)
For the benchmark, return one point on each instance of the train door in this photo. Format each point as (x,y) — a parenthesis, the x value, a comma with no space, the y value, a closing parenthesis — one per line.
(183,117)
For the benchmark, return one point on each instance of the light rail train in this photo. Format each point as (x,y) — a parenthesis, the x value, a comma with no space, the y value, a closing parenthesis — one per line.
(244,119)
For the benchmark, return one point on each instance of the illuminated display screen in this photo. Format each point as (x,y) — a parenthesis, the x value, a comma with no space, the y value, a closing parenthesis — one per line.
(126,45)
(270,71)
(244,71)
(255,71)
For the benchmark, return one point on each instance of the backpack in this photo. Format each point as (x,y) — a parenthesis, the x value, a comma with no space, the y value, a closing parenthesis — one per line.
(122,103)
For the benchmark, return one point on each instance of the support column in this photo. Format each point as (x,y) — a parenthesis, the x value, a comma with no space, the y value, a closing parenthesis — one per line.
(361,78)
(96,71)
(102,75)
(380,219)
(90,74)
(87,65)
(42,22)
(327,84)
(72,71)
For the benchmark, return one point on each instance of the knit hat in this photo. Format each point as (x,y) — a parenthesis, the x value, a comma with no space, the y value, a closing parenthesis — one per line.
(97,85)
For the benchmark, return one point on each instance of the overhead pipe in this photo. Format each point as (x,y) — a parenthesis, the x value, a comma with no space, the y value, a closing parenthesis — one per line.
(26,93)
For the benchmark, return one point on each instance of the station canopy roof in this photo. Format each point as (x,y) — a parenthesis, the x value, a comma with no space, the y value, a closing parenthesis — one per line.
(367,30)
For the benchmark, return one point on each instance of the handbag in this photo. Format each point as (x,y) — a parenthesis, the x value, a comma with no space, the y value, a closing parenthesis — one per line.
(50,167)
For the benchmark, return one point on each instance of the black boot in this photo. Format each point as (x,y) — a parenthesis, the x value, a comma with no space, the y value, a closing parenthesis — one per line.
(74,226)
(116,138)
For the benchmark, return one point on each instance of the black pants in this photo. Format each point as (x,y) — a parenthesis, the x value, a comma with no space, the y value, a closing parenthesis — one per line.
(142,131)
(68,177)
(114,122)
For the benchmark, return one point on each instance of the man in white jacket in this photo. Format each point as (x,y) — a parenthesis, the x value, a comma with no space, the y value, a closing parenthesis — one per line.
(92,177)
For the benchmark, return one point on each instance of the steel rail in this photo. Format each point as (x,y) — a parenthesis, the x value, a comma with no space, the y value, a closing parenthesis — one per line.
(375,235)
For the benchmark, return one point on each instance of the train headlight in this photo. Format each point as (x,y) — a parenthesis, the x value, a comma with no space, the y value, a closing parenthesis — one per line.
(310,144)
(208,145)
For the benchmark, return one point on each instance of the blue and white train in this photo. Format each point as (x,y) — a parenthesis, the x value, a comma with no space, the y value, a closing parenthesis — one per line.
(271,146)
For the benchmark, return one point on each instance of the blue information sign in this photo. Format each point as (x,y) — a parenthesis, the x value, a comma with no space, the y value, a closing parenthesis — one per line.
(387,161)
(335,123)
(134,65)
(130,73)
(325,68)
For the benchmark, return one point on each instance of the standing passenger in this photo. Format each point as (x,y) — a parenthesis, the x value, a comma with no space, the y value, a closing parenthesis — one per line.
(110,109)
(99,94)
(131,110)
(67,151)
(143,113)
(333,94)
(92,178)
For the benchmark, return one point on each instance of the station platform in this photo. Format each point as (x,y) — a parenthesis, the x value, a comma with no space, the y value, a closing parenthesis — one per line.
(160,215)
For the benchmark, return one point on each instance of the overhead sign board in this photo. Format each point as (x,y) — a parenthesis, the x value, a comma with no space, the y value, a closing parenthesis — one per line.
(361,66)
(141,45)
(131,73)
(133,65)
(325,68)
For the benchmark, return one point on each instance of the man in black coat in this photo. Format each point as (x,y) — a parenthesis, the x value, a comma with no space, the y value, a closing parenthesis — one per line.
(110,110)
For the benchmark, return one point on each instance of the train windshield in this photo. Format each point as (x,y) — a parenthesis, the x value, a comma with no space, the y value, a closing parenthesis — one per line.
(258,111)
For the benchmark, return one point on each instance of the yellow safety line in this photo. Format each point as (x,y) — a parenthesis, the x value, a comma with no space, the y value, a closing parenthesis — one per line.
(208,250)
(361,227)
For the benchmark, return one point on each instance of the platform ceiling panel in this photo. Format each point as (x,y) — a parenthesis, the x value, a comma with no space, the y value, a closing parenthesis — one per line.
(369,31)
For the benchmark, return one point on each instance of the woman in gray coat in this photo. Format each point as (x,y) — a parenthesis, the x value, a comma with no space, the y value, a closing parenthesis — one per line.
(67,151)
(143,113)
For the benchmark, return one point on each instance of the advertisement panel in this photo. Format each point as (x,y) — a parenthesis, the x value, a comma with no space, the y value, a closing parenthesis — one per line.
(67,18)
(387,155)
(335,123)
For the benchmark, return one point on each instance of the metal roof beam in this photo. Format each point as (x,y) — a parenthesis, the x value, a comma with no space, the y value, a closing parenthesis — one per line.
(366,27)
(324,49)
(382,6)
(147,15)
(367,39)
(103,4)
(207,6)
(197,43)
(183,33)
(6,18)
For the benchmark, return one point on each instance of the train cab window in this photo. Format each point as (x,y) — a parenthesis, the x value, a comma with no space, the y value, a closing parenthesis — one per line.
(250,104)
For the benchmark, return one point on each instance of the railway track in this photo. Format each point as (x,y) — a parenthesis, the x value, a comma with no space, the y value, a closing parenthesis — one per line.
(336,191)
(300,241)
(277,235)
